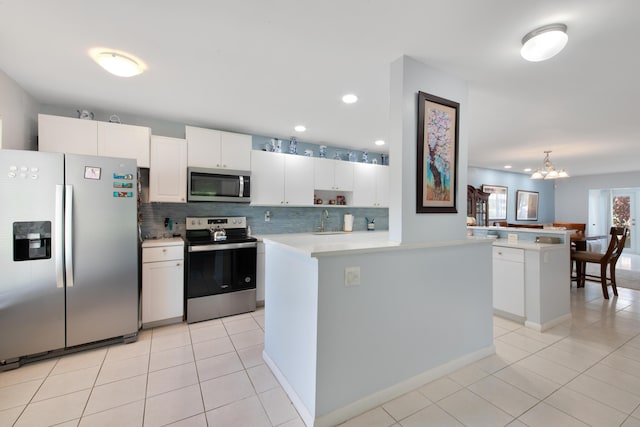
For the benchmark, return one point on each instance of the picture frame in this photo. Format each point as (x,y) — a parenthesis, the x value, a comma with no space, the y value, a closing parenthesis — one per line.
(437,147)
(498,196)
(526,205)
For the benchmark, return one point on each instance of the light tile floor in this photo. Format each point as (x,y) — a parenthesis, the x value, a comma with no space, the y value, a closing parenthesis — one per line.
(585,372)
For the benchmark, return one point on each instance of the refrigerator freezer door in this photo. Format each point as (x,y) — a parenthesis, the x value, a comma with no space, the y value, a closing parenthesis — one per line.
(31,303)
(103,302)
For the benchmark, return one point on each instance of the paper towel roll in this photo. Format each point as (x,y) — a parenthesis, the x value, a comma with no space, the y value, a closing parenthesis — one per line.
(348,222)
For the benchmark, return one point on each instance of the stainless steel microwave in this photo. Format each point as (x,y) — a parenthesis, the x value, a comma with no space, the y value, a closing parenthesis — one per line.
(218,185)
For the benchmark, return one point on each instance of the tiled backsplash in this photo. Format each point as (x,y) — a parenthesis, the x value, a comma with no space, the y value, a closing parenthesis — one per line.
(283,219)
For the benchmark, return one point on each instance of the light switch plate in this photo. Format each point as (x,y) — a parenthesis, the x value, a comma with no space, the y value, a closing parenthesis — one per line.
(352,276)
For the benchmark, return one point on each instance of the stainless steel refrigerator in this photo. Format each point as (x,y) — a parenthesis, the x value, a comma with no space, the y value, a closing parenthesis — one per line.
(68,251)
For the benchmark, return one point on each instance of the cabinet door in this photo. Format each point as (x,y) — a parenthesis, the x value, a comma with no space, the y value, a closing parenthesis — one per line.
(324,174)
(235,151)
(204,147)
(267,178)
(382,186)
(364,185)
(127,141)
(298,180)
(343,175)
(168,172)
(67,135)
(162,290)
(508,280)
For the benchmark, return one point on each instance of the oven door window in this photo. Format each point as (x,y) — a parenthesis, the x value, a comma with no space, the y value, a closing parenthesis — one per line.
(205,184)
(221,271)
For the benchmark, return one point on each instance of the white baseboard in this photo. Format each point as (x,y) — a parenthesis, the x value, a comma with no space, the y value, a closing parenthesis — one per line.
(378,398)
(306,416)
(547,325)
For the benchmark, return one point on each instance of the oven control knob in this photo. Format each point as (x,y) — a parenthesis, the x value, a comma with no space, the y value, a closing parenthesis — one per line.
(247,279)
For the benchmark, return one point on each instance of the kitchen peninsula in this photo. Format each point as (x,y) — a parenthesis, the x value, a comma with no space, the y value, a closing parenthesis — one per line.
(531,280)
(354,319)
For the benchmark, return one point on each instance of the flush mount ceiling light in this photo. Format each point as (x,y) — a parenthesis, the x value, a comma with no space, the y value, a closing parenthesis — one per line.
(548,171)
(117,63)
(544,42)
(300,128)
(349,98)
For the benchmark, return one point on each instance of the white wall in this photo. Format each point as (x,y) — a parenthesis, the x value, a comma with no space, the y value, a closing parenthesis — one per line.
(408,77)
(19,115)
(572,194)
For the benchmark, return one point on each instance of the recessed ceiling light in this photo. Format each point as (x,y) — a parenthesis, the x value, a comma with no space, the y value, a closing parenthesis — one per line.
(544,42)
(527,169)
(300,128)
(117,63)
(379,142)
(508,166)
(349,98)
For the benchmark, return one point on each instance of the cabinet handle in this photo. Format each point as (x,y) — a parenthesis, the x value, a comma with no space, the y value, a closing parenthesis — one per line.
(178,265)
(164,250)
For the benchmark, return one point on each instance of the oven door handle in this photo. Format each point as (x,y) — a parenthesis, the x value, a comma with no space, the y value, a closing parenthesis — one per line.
(222,247)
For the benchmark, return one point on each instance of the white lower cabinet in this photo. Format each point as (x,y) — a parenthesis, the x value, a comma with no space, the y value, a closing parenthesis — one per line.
(162,282)
(508,280)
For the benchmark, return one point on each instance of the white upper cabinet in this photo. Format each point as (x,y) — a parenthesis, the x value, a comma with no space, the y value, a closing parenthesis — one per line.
(370,185)
(333,175)
(209,148)
(382,185)
(281,179)
(93,138)
(67,135)
(118,140)
(168,171)
(298,180)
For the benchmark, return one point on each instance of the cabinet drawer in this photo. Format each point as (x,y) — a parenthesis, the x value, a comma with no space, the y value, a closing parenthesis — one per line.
(508,254)
(162,253)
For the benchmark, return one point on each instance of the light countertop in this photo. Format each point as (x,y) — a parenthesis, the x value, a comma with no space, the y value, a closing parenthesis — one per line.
(529,245)
(167,241)
(358,242)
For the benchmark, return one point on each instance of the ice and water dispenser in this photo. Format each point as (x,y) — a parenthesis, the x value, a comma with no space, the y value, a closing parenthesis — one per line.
(31,240)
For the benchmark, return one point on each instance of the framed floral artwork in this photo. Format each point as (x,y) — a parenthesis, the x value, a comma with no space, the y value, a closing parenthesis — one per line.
(436,188)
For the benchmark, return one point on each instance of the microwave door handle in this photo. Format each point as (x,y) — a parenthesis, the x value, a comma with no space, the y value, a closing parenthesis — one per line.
(59,240)
(241,186)
(68,234)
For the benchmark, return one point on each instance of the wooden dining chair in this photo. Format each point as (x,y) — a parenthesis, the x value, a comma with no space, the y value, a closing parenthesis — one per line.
(609,258)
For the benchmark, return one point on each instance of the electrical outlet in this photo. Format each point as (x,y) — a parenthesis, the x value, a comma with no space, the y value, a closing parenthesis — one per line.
(267,216)
(352,276)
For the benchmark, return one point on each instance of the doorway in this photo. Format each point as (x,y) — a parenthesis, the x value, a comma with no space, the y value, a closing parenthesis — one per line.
(615,207)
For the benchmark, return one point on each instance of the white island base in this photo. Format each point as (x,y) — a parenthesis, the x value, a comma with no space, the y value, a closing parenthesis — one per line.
(420,312)
(531,283)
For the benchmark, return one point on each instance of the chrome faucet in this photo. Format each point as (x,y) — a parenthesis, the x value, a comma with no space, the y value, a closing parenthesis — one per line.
(324,215)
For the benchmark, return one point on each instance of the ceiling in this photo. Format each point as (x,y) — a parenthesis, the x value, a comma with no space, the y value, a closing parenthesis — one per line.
(264,66)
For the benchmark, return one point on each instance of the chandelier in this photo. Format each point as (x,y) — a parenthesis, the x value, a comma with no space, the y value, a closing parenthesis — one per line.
(548,171)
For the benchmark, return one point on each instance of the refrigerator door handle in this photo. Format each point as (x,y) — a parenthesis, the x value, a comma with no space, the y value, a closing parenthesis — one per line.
(68,234)
(59,248)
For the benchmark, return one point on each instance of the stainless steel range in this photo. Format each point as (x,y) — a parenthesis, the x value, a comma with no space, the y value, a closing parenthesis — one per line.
(221,268)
